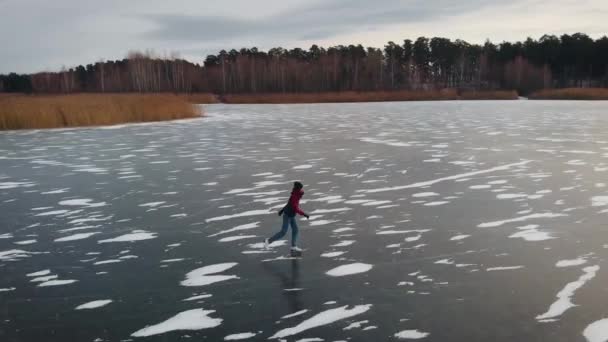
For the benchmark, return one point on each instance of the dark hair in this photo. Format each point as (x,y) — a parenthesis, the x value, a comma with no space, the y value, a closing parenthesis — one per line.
(297,185)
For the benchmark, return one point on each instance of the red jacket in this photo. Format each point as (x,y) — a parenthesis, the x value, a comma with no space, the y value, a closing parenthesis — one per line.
(293,205)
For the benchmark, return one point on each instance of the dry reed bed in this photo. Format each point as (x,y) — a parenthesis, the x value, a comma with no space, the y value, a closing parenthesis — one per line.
(369,96)
(23,112)
(489,95)
(571,94)
(345,96)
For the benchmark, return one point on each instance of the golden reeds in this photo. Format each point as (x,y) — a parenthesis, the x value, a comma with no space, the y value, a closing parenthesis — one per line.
(370,96)
(571,94)
(31,111)
(489,95)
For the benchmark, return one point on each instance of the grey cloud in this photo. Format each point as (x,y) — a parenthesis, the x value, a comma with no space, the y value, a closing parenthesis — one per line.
(319,21)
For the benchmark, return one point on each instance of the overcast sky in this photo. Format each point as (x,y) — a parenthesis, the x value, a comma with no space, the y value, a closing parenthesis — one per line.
(41,35)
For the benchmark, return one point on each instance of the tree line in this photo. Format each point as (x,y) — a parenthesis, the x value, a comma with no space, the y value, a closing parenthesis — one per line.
(574,60)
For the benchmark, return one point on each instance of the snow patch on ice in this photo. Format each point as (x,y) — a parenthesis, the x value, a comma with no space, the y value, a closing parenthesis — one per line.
(332,254)
(349,269)
(323,318)
(597,331)
(239,336)
(206,275)
(411,334)
(564,296)
(571,262)
(195,319)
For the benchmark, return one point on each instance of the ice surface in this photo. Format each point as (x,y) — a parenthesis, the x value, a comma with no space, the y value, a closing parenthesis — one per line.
(453,177)
(322,222)
(411,334)
(349,269)
(246,213)
(323,318)
(206,275)
(238,228)
(564,297)
(136,235)
(195,319)
(94,304)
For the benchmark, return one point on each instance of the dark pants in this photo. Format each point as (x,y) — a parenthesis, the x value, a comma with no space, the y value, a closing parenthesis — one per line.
(287,221)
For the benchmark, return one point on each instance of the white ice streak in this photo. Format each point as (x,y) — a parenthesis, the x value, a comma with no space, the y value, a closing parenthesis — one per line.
(453,177)
(332,254)
(349,269)
(86,202)
(152,204)
(237,237)
(136,235)
(519,219)
(239,336)
(39,273)
(206,275)
(203,296)
(323,318)
(564,296)
(503,268)
(237,228)
(94,304)
(246,213)
(297,313)
(56,282)
(570,262)
(79,236)
(411,334)
(195,319)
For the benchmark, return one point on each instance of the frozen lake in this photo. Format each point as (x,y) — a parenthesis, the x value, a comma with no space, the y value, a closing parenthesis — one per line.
(439,221)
